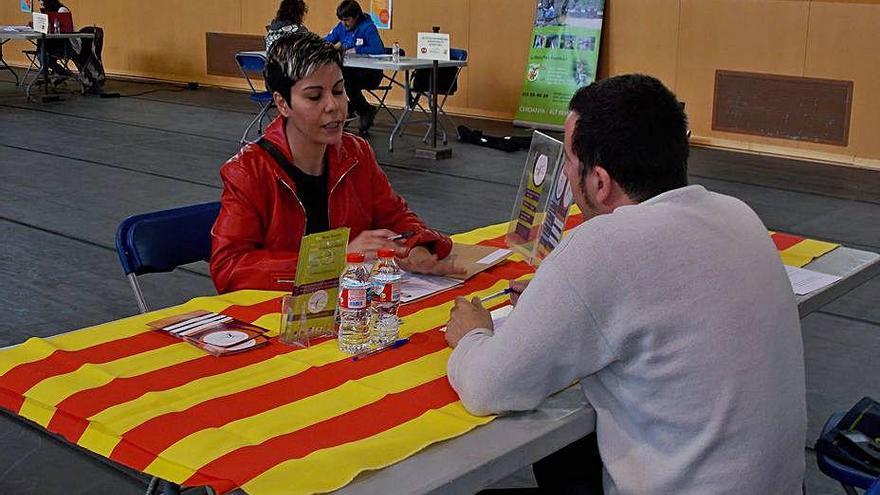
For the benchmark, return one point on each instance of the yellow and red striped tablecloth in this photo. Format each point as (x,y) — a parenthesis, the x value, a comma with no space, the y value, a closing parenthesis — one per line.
(273,420)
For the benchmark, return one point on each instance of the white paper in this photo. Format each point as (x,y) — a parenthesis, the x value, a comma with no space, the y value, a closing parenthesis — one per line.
(804,281)
(493,257)
(41,23)
(499,316)
(418,286)
(433,46)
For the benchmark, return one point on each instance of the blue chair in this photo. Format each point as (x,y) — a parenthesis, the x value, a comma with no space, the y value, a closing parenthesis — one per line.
(447,81)
(252,63)
(849,478)
(161,241)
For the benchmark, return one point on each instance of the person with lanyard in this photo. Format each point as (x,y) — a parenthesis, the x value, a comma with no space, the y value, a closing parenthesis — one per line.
(357,33)
(288,20)
(306,175)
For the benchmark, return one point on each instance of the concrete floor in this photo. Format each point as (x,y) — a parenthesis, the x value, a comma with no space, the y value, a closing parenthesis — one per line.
(71,171)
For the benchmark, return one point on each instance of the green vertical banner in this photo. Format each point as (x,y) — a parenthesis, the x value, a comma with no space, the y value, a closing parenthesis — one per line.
(563,57)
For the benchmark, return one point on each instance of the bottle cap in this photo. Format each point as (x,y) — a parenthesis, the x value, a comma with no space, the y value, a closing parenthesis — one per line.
(355,257)
(386,253)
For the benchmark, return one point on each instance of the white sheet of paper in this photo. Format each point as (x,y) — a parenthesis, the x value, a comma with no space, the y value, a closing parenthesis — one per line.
(499,316)
(804,281)
(493,257)
(419,286)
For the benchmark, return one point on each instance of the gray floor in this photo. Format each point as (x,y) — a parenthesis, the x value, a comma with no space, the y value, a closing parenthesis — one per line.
(71,171)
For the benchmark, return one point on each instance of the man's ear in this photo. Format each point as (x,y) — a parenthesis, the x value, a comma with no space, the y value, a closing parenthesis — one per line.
(281,104)
(603,184)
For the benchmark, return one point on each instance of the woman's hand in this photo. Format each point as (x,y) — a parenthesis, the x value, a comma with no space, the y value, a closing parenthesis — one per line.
(370,241)
(420,260)
(466,316)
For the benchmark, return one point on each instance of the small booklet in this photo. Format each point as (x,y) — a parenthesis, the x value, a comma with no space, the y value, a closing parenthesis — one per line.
(215,333)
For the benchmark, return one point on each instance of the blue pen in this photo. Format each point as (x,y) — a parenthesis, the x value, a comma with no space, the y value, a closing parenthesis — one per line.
(506,291)
(392,345)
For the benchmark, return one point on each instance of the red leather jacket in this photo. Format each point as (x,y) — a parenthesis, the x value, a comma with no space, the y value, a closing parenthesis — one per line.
(255,240)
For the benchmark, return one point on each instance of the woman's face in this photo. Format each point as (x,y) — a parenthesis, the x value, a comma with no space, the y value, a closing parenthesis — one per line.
(318,106)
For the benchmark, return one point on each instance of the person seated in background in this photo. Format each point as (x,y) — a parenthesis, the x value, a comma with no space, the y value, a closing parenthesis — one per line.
(56,49)
(288,20)
(357,33)
(669,304)
(306,175)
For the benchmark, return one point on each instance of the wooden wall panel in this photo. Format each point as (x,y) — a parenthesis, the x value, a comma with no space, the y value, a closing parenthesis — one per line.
(499,47)
(682,42)
(641,37)
(766,36)
(843,41)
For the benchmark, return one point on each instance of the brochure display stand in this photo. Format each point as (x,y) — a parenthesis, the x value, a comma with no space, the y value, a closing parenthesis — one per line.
(542,203)
(309,312)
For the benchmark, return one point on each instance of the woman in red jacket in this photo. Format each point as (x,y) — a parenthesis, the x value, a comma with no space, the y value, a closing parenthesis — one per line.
(304,176)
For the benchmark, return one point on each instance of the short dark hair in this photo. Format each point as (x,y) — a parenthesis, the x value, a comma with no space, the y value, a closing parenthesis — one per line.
(349,8)
(52,5)
(292,11)
(295,57)
(636,129)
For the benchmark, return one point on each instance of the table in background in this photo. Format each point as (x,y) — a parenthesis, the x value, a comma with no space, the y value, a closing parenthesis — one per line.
(405,65)
(33,37)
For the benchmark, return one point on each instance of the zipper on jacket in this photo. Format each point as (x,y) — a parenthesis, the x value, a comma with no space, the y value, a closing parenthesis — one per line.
(305,222)
(330,192)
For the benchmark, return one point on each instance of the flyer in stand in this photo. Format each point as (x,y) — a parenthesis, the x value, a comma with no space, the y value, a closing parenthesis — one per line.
(309,311)
(541,168)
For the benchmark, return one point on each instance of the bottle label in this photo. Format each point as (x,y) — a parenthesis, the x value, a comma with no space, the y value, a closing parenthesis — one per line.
(390,292)
(353,298)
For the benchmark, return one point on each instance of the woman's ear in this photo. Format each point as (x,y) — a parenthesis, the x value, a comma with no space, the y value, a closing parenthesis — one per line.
(281,104)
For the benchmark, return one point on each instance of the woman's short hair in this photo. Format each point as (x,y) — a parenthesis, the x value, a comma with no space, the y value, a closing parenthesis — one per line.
(292,11)
(349,8)
(295,57)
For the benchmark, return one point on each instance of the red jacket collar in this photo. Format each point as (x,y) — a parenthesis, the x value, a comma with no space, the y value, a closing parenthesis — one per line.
(340,159)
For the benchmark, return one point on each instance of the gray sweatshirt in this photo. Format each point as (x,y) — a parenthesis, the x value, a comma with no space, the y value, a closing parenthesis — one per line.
(678,318)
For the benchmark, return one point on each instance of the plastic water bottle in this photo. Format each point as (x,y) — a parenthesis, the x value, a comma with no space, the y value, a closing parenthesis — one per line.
(395,52)
(385,281)
(354,311)
(56,26)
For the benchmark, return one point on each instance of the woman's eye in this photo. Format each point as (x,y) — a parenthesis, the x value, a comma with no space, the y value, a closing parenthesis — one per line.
(337,93)
(314,97)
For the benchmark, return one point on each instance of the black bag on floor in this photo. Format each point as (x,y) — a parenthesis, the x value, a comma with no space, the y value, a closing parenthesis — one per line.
(855,441)
(506,143)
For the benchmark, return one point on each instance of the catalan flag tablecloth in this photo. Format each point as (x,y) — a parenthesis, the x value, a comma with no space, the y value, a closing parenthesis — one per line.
(273,420)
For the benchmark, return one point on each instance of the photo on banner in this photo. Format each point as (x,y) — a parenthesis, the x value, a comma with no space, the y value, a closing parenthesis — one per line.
(26,5)
(380,11)
(563,57)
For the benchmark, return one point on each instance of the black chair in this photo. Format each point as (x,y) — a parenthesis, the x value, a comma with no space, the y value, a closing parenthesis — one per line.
(447,85)
(380,92)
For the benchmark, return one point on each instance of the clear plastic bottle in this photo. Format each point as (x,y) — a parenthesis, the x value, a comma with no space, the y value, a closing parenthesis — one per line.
(56,26)
(395,52)
(354,311)
(385,281)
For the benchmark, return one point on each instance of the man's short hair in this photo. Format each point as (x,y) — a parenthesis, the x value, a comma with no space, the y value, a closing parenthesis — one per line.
(295,57)
(634,128)
(349,8)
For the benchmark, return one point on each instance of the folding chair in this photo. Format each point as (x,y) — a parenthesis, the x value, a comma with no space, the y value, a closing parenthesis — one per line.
(447,81)
(255,63)
(385,89)
(848,477)
(159,242)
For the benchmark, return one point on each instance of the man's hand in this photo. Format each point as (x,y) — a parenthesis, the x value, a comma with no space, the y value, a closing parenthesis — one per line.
(518,286)
(370,241)
(464,317)
(420,260)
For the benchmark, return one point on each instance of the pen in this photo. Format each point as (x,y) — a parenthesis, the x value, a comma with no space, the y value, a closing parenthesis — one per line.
(392,345)
(402,236)
(506,291)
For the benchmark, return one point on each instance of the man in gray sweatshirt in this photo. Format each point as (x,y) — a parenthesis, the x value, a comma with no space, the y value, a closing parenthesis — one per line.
(669,304)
